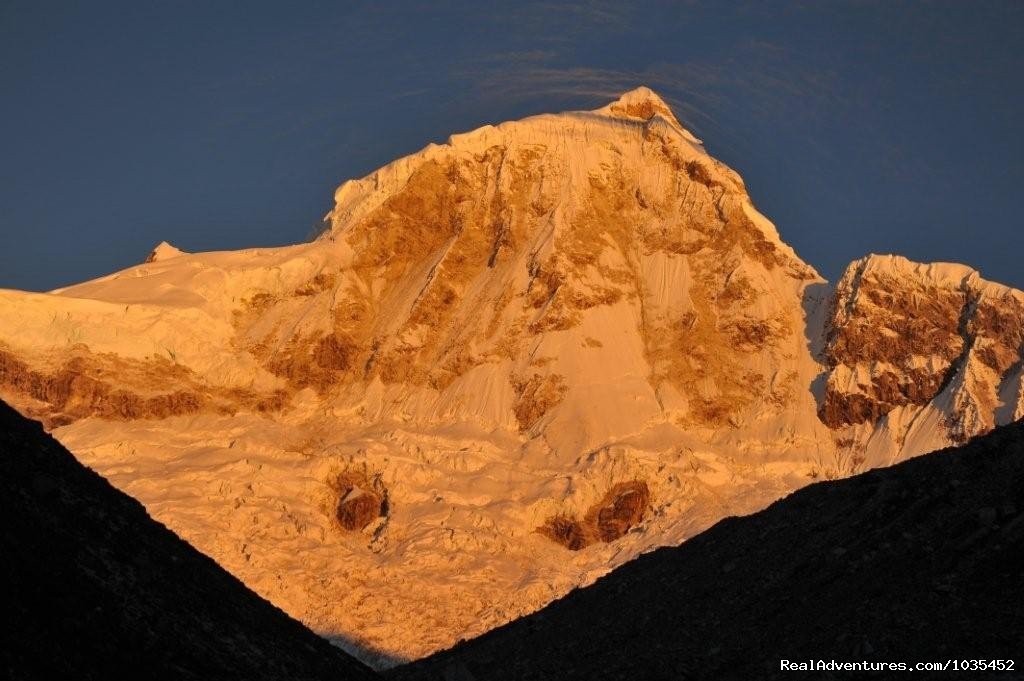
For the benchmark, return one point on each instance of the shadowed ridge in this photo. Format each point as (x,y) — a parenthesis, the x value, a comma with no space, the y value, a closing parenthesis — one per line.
(93,588)
(917,562)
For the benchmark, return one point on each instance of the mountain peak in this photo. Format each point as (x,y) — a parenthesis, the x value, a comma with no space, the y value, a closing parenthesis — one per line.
(641,96)
(163,251)
(643,103)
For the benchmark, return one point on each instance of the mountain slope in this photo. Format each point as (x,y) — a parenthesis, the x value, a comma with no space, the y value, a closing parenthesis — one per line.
(921,355)
(514,362)
(914,563)
(93,588)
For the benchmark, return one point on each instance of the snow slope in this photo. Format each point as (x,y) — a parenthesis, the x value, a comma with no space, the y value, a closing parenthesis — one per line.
(497,332)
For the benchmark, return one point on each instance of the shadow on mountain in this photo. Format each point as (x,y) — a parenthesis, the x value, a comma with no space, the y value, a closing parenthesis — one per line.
(918,562)
(93,588)
(815,304)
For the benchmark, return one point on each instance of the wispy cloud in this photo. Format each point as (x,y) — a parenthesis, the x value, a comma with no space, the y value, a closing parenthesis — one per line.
(708,94)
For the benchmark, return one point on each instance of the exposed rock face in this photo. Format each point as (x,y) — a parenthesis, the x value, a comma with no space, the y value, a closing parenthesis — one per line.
(937,337)
(85,385)
(898,334)
(501,328)
(93,588)
(73,391)
(358,508)
(568,532)
(621,509)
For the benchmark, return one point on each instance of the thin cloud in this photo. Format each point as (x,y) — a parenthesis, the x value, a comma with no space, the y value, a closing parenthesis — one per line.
(709,95)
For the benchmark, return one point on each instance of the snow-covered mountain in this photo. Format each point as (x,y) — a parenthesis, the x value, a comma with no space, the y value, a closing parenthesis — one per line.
(514,362)
(921,355)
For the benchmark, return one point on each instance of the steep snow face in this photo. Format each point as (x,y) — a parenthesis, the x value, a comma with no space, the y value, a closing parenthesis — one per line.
(578,277)
(571,330)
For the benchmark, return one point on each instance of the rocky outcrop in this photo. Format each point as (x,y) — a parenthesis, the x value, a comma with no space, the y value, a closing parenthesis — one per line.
(892,341)
(360,498)
(358,508)
(621,509)
(902,334)
(73,392)
(88,385)
(569,532)
(536,396)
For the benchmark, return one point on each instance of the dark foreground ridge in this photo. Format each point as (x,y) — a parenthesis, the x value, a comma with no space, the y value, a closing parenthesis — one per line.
(93,588)
(923,561)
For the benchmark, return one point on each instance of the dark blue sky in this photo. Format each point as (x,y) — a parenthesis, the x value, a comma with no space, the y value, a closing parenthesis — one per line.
(859,127)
